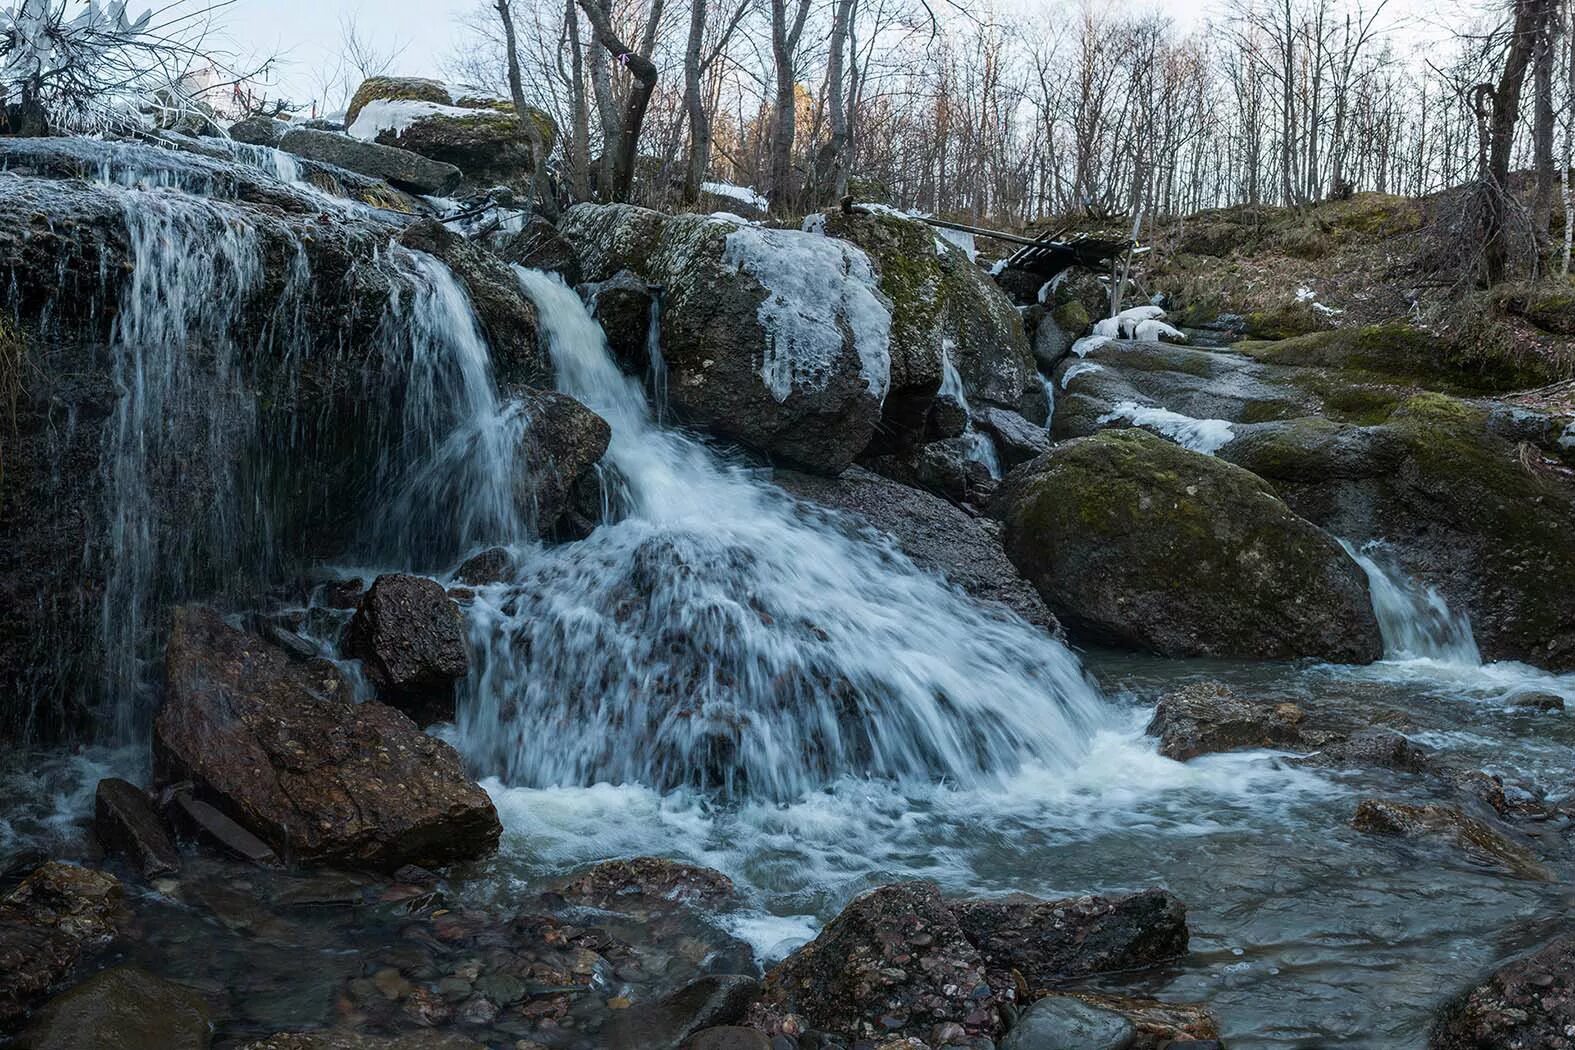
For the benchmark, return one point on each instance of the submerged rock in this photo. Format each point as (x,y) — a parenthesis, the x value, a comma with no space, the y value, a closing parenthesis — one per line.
(1529,1002)
(282,748)
(1475,837)
(60,914)
(671,1022)
(125,1008)
(1134,541)
(647,884)
(1206,717)
(410,637)
(1063,1021)
(126,822)
(935,534)
(774,338)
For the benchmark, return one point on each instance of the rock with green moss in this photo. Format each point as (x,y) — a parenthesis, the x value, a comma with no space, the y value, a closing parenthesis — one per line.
(942,305)
(401,89)
(1285,321)
(778,339)
(1487,520)
(1134,541)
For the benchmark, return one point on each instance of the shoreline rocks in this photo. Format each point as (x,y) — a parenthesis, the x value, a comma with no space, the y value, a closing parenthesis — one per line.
(1528,1002)
(60,914)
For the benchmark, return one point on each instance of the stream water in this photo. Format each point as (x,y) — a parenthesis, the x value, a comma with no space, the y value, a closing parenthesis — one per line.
(726,676)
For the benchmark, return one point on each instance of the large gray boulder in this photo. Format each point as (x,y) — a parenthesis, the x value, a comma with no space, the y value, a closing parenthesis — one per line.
(399,167)
(777,339)
(282,748)
(1135,541)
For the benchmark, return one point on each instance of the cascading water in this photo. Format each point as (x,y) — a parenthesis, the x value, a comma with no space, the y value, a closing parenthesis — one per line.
(979,446)
(722,636)
(1415,621)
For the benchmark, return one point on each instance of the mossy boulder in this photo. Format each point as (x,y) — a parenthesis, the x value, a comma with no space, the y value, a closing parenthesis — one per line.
(777,339)
(402,89)
(1482,517)
(1285,321)
(1397,353)
(1135,541)
(942,305)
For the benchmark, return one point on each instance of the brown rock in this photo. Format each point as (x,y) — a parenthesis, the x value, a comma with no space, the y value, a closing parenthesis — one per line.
(124,1008)
(411,638)
(127,822)
(647,883)
(1529,1002)
(280,747)
(1206,717)
(1473,836)
(57,916)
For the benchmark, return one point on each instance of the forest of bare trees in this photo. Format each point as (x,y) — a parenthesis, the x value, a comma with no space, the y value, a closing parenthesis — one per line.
(987,114)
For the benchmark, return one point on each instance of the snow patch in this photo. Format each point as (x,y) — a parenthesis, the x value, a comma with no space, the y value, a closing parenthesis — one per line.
(817,288)
(754,198)
(1079,368)
(1207,436)
(397,114)
(1154,330)
(1089,343)
(998,268)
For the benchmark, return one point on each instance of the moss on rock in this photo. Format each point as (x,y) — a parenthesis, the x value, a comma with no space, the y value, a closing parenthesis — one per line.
(416,89)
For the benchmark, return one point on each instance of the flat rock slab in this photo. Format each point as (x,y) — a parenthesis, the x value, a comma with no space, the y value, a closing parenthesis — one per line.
(400,168)
(280,747)
(125,1008)
(127,822)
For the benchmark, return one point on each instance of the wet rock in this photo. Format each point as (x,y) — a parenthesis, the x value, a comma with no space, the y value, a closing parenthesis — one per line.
(950,468)
(648,883)
(1206,717)
(493,565)
(1536,701)
(622,304)
(205,823)
(669,1023)
(1051,942)
(1063,1021)
(729,1037)
(539,246)
(1016,439)
(1159,1025)
(59,915)
(894,963)
(345,1040)
(935,534)
(282,748)
(561,441)
(1135,541)
(259,131)
(126,822)
(410,637)
(125,1008)
(948,418)
(1474,837)
(774,338)
(399,167)
(1529,1002)
(1373,748)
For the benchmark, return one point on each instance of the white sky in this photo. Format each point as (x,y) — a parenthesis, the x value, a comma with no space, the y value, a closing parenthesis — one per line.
(307,32)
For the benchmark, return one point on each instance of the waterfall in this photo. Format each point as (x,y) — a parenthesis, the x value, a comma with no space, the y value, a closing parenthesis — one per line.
(1415,621)
(979,447)
(721,635)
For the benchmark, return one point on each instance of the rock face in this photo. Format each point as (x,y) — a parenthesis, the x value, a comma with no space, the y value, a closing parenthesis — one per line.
(411,638)
(281,422)
(622,304)
(1529,1002)
(1133,540)
(281,748)
(932,532)
(126,822)
(901,960)
(480,135)
(125,1008)
(775,338)
(58,915)
(539,246)
(400,168)
(1207,717)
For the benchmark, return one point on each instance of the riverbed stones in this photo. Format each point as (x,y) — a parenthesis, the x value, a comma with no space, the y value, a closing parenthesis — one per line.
(934,533)
(1134,541)
(901,959)
(1051,942)
(281,747)
(1206,717)
(1425,822)
(58,915)
(648,884)
(124,1008)
(410,637)
(1529,1002)
(126,822)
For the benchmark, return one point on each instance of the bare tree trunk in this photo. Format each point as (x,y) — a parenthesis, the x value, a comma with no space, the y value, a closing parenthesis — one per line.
(831,168)
(784,43)
(1542,130)
(580,135)
(699,120)
(1498,116)
(644,73)
(545,201)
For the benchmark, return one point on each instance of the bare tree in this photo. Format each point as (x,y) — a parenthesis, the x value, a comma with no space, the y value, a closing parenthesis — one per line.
(621,134)
(786,29)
